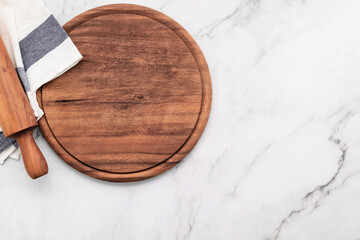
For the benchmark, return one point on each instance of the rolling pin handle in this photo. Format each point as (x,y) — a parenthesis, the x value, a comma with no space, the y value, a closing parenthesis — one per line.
(34,161)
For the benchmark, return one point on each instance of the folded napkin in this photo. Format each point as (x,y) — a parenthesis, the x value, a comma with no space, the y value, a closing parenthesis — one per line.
(40,50)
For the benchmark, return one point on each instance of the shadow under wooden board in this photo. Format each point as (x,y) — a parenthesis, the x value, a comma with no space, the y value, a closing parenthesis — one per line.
(136,104)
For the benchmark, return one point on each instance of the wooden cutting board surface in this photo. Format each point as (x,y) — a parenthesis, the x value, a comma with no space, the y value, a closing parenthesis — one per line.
(136,104)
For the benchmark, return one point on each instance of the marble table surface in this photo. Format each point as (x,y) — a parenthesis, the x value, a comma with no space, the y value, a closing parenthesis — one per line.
(279,159)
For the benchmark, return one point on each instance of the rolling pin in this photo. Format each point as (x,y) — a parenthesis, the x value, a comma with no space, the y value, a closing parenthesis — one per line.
(17,118)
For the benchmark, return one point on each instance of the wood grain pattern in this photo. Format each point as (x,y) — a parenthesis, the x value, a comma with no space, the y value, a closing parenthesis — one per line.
(17,119)
(136,104)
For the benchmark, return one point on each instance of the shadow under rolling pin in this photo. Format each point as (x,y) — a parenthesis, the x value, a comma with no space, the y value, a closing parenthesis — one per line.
(17,118)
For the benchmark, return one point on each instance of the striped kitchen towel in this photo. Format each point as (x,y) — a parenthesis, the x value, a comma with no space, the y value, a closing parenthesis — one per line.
(39,48)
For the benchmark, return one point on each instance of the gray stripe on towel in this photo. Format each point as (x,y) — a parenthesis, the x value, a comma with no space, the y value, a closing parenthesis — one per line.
(41,41)
(24,80)
(6,142)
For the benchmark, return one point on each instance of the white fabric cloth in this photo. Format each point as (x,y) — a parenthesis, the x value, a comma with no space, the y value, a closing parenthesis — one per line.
(39,48)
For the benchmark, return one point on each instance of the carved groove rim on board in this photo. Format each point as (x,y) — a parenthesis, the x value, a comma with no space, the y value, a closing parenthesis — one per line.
(204,109)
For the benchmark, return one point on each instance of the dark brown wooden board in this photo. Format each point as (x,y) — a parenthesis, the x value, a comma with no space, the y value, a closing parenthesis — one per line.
(136,104)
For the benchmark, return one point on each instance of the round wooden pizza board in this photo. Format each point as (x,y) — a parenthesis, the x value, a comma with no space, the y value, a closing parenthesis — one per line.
(136,104)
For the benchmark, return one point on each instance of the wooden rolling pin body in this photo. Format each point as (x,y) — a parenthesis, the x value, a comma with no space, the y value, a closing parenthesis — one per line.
(17,119)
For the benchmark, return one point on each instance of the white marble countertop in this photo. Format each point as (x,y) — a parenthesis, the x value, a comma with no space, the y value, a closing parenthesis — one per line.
(279,159)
